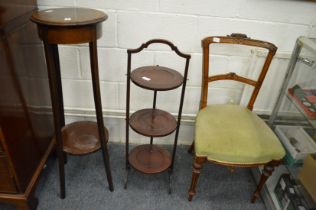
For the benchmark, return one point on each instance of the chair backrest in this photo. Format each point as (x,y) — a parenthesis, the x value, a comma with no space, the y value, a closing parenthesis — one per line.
(240,39)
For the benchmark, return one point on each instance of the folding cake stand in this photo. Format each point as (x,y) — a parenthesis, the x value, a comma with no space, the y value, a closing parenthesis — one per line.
(153,122)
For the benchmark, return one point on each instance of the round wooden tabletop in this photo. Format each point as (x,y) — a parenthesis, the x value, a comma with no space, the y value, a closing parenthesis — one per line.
(80,138)
(150,159)
(156,78)
(153,122)
(68,16)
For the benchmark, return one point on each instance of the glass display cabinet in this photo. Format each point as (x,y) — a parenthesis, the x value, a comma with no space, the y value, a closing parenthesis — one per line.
(294,121)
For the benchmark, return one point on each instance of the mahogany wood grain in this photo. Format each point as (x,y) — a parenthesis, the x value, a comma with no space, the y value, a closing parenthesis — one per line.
(98,108)
(241,40)
(10,10)
(153,122)
(27,201)
(73,26)
(150,159)
(57,111)
(81,138)
(54,27)
(197,166)
(156,78)
(24,142)
(7,184)
(68,17)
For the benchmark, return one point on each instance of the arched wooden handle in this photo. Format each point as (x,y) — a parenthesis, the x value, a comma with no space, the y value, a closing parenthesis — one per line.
(239,35)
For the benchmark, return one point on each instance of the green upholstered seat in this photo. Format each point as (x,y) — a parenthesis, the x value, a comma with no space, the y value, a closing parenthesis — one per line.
(234,134)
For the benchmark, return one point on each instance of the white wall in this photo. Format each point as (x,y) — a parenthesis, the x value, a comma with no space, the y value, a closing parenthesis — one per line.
(185,23)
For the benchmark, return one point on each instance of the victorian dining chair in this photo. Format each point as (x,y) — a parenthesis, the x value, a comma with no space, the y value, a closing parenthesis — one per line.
(229,134)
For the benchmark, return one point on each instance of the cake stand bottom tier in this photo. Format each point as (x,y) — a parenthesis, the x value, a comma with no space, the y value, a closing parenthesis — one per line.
(150,159)
(80,138)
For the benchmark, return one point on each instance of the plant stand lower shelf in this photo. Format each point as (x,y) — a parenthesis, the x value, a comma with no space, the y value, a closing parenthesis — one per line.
(81,138)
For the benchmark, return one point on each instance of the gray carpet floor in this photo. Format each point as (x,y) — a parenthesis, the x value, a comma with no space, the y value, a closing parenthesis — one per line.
(86,186)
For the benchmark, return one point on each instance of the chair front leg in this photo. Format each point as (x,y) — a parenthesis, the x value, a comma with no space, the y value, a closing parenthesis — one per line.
(266,173)
(191,149)
(197,165)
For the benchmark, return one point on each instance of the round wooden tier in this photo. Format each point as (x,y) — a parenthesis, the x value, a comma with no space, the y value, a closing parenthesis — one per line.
(80,138)
(153,122)
(149,159)
(156,78)
(68,16)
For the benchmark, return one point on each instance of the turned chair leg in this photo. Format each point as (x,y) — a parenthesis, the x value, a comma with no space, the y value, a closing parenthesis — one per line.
(266,173)
(197,166)
(191,149)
